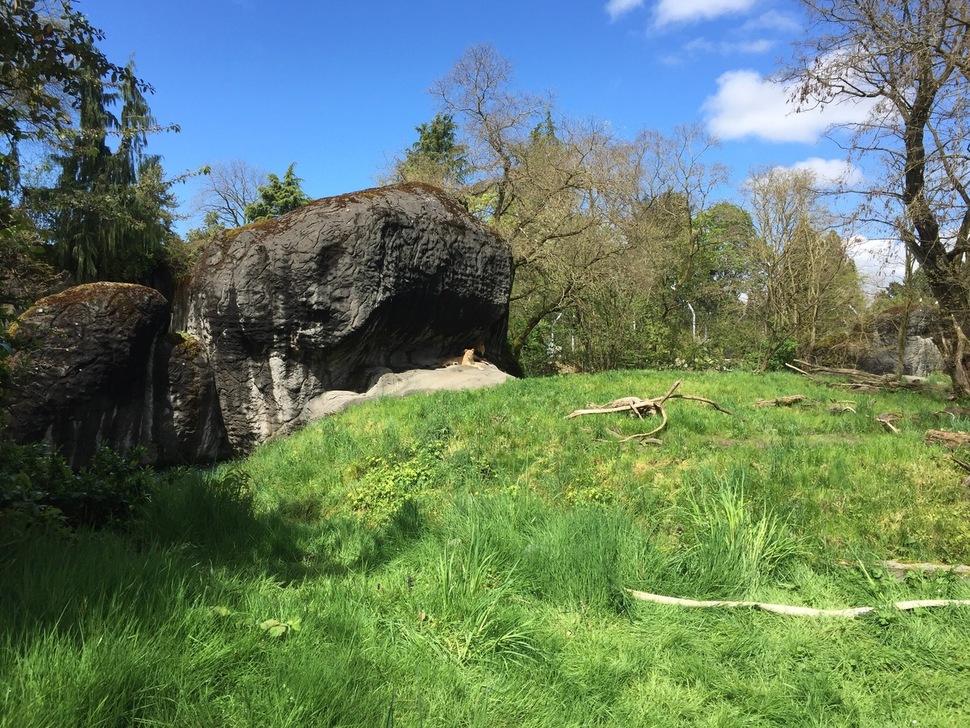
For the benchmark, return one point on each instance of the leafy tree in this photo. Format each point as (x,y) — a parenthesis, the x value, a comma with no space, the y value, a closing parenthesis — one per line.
(48,54)
(277,197)
(910,59)
(541,185)
(436,157)
(109,214)
(804,280)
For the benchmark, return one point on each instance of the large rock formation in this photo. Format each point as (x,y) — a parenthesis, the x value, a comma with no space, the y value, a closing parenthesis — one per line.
(332,294)
(329,297)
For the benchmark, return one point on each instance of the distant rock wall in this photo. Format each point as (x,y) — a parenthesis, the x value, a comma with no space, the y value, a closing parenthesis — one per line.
(921,356)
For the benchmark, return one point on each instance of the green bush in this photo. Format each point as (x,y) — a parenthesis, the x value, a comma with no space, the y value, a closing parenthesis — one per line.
(38,488)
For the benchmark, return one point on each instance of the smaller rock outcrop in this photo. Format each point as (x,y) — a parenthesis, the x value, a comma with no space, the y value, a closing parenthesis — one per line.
(921,357)
(83,374)
(94,368)
(402,384)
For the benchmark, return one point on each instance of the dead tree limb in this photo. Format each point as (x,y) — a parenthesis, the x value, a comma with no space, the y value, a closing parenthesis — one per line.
(782,401)
(961,463)
(794,611)
(855,379)
(639,406)
(901,568)
(711,402)
(947,439)
(887,419)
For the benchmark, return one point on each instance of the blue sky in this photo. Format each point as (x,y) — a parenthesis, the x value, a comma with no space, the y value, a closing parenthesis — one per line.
(338,87)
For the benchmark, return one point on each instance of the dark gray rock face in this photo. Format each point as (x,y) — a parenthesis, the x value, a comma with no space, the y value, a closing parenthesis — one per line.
(98,370)
(329,297)
(325,297)
(188,420)
(921,356)
(85,377)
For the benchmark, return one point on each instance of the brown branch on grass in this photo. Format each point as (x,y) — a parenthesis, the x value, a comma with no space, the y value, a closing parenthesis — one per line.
(887,419)
(782,401)
(855,379)
(947,438)
(639,406)
(794,611)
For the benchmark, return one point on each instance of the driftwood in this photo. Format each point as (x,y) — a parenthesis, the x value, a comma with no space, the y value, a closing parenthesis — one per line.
(947,439)
(640,407)
(840,408)
(856,380)
(901,568)
(794,611)
(887,419)
(782,401)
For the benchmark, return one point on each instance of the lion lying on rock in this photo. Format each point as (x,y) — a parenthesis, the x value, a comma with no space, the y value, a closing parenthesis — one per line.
(469,358)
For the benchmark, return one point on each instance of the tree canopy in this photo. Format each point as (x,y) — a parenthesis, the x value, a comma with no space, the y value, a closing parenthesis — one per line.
(910,60)
(277,197)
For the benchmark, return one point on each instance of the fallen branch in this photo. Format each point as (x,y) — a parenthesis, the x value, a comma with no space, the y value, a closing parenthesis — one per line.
(794,611)
(857,380)
(639,406)
(887,419)
(899,568)
(841,409)
(781,401)
(947,439)
(961,463)
(711,402)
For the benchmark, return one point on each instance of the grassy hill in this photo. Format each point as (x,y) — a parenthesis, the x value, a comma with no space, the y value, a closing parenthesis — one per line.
(464,559)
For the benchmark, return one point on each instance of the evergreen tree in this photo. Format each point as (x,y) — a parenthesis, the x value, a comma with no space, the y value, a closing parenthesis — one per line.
(109,213)
(277,197)
(436,157)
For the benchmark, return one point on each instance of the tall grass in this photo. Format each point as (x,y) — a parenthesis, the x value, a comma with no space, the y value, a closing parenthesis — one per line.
(463,559)
(733,548)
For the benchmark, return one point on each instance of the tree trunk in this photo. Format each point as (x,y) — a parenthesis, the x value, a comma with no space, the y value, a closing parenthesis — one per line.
(951,338)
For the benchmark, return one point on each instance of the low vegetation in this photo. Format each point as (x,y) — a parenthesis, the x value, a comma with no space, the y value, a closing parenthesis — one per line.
(463,559)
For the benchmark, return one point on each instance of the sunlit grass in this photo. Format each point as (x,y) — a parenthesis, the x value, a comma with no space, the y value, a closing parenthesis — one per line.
(462,559)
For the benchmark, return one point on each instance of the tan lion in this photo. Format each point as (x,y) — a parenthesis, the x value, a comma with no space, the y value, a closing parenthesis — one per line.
(468,359)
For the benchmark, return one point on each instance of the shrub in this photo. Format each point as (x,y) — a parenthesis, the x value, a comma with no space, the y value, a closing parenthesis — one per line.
(38,488)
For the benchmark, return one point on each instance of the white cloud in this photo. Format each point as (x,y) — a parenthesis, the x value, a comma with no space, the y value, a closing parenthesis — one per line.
(879,262)
(772,20)
(748,105)
(831,172)
(728,48)
(684,11)
(616,8)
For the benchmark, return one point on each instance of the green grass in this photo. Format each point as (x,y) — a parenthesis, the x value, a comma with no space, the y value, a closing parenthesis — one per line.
(461,559)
